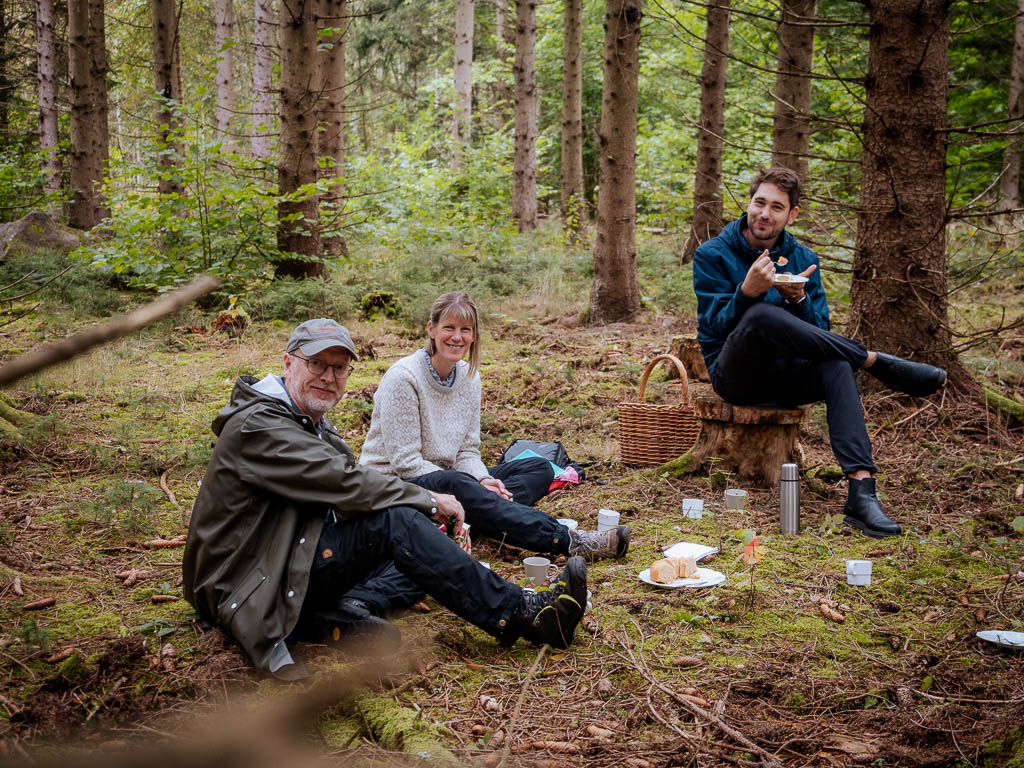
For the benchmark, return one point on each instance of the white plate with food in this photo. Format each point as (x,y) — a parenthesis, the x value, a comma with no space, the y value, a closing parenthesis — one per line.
(785,277)
(706,577)
(1003,638)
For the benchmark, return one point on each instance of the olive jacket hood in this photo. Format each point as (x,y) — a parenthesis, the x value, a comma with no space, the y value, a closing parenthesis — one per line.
(274,477)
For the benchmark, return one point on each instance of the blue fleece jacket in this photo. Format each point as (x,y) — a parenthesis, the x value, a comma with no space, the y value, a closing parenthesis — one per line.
(719,267)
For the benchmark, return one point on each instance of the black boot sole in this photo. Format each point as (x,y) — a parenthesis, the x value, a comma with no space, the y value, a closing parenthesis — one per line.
(872,532)
(369,636)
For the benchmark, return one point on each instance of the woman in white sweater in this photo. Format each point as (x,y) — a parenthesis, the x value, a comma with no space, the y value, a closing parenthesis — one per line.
(425,429)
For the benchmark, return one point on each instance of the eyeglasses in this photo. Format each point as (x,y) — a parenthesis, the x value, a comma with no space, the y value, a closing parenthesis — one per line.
(319,367)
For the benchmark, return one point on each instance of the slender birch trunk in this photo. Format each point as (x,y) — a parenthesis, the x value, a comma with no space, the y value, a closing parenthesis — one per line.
(224,21)
(461,115)
(46,70)
(265,45)
(573,201)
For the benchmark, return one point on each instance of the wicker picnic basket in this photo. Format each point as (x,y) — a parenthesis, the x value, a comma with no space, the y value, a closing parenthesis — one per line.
(651,434)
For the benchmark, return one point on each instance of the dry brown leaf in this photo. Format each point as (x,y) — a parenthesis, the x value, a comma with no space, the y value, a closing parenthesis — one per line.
(168,658)
(600,733)
(590,625)
(980,614)
(932,615)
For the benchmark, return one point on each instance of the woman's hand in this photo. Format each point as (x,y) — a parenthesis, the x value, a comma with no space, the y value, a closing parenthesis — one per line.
(495,485)
(449,506)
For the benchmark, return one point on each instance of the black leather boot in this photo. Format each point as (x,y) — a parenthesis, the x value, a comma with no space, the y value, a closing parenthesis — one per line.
(917,379)
(864,511)
(550,614)
(350,626)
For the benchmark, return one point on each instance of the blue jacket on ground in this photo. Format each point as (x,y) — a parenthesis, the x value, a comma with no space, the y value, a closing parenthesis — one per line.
(719,267)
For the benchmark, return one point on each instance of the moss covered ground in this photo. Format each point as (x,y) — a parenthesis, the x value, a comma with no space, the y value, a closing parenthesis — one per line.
(901,680)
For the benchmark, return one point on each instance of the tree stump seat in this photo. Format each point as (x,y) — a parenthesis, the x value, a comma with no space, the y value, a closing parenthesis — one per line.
(754,441)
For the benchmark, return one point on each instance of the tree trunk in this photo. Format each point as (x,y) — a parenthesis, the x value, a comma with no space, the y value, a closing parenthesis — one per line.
(615,294)
(6,86)
(707,183)
(463,80)
(98,64)
(524,165)
(46,69)
(1009,184)
(265,45)
(298,228)
(573,201)
(791,130)
(167,82)
(331,121)
(89,133)
(224,20)
(898,295)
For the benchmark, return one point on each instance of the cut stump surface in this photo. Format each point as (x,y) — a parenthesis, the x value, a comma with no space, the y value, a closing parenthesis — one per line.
(754,441)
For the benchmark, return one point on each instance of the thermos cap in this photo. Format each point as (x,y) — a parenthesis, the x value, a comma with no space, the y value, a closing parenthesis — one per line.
(790,472)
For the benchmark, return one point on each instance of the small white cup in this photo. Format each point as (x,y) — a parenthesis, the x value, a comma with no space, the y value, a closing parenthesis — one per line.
(735,498)
(607,519)
(858,572)
(536,569)
(568,523)
(693,508)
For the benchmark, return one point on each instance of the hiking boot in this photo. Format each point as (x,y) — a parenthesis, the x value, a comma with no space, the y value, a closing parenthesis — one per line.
(350,626)
(864,511)
(917,379)
(593,545)
(550,614)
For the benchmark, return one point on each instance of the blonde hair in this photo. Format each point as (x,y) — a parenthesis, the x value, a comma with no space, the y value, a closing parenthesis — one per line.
(461,308)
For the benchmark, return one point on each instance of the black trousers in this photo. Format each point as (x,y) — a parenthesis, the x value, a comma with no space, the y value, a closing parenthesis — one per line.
(773,357)
(409,543)
(513,522)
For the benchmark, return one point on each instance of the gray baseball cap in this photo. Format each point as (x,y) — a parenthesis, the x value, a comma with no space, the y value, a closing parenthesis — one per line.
(315,336)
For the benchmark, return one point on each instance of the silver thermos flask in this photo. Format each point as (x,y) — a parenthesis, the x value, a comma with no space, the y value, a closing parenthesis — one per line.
(789,499)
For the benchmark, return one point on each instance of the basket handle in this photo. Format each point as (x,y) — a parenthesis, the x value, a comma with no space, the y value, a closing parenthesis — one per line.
(685,391)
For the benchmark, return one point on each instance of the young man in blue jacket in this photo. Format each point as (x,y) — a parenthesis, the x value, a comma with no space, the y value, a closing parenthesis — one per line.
(768,341)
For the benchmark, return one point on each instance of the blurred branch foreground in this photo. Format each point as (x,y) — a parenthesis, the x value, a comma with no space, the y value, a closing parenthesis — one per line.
(115,329)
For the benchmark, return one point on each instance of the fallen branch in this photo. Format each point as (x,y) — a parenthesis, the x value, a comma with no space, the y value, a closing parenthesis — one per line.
(519,706)
(177,541)
(767,758)
(71,347)
(163,487)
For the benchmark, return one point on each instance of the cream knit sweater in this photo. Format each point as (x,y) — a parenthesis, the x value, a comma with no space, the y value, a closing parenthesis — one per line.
(418,426)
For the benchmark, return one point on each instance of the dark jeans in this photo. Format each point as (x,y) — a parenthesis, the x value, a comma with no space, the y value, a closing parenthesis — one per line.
(773,357)
(527,480)
(488,515)
(354,547)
